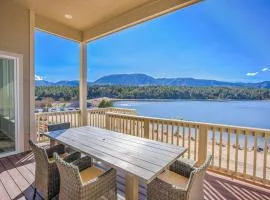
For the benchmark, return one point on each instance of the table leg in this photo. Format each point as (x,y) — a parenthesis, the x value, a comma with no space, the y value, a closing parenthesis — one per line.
(132,187)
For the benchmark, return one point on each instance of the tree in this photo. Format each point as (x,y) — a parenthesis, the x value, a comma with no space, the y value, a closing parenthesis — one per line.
(105,103)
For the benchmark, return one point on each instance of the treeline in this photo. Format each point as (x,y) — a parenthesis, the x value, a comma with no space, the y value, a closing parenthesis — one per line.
(57,92)
(155,92)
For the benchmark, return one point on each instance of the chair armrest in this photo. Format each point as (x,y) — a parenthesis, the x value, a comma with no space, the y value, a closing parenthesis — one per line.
(108,177)
(179,188)
(72,157)
(182,168)
(83,163)
(69,150)
(163,190)
(60,149)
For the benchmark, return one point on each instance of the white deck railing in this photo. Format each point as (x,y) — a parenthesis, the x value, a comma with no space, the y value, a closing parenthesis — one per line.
(237,151)
(46,118)
(95,117)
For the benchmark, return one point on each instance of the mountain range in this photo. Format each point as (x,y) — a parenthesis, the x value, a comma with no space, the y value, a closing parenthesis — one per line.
(145,80)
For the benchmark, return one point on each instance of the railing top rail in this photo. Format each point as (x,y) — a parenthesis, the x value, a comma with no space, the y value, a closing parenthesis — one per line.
(91,109)
(113,108)
(57,112)
(194,123)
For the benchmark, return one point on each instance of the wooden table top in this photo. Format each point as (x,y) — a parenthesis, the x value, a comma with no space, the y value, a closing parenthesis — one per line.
(136,156)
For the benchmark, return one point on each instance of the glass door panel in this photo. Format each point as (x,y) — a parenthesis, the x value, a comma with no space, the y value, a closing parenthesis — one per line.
(7,106)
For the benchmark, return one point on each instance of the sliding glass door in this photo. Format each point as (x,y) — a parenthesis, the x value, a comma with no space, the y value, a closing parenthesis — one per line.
(8,136)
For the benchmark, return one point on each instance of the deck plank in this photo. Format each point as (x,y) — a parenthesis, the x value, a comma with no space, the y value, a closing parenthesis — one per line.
(25,173)
(19,179)
(3,192)
(11,187)
(28,161)
(22,169)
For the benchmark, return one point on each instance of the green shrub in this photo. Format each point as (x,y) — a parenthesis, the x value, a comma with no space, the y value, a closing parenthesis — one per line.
(105,103)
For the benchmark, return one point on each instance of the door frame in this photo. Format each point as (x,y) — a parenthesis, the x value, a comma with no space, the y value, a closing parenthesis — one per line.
(18,90)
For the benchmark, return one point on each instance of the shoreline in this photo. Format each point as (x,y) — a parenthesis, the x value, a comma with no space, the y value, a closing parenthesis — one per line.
(214,100)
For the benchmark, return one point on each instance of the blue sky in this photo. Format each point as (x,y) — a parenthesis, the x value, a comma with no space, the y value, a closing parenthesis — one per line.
(222,40)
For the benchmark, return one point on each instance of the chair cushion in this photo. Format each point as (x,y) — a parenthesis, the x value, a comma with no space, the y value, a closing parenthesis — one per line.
(52,159)
(90,173)
(173,178)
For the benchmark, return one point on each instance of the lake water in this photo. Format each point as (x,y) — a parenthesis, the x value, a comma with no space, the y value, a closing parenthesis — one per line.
(241,113)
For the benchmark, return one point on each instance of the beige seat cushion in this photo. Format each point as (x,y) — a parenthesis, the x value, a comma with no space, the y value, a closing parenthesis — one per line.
(52,159)
(173,178)
(90,173)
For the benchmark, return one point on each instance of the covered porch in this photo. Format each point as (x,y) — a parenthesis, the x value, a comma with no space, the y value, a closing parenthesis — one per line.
(80,21)
(235,173)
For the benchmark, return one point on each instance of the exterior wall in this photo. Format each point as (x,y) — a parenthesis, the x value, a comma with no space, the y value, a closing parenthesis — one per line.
(15,38)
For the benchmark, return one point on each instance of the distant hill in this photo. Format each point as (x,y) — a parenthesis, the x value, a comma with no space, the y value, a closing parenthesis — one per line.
(145,80)
(127,79)
(43,83)
(59,83)
(67,83)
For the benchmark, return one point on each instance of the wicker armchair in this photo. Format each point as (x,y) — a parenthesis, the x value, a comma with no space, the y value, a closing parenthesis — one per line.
(47,179)
(60,126)
(80,180)
(181,182)
(57,127)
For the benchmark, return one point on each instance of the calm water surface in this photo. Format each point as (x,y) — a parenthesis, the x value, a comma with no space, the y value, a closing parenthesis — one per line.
(240,113)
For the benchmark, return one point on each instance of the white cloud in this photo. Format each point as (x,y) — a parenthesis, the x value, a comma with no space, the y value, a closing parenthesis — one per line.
(252,73)
(39,78)
(265,69)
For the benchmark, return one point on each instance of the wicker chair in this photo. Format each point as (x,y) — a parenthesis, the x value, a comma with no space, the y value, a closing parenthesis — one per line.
(47,179)
(80,180)
(60,126)
(57,127)
(181,182)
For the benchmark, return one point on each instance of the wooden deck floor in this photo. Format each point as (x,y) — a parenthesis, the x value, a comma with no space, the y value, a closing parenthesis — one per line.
(17,178)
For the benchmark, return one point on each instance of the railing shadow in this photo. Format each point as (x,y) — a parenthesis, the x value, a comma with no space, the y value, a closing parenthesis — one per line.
(28,193)
(223,188)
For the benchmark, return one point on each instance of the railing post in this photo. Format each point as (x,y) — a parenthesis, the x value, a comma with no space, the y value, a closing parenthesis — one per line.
(203,140)
(146,128)
(107,121)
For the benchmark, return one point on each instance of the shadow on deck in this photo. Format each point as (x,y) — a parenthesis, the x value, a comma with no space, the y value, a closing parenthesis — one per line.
(17,178)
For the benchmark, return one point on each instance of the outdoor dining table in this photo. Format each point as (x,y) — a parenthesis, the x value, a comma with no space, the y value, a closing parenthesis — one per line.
(139,158)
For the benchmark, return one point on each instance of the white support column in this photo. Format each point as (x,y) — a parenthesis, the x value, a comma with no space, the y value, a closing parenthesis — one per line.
(83,83)
(33,132)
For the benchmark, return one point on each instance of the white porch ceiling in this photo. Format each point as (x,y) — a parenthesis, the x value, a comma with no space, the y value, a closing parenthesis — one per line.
(92,19)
